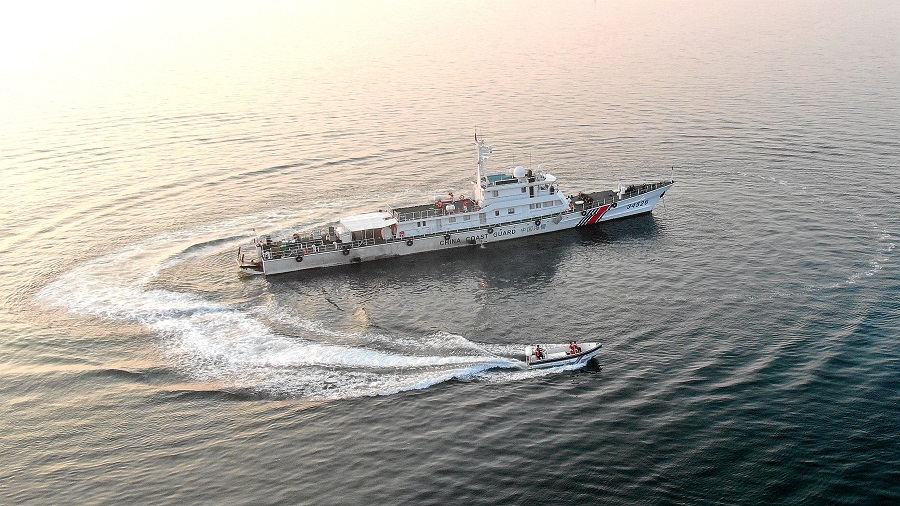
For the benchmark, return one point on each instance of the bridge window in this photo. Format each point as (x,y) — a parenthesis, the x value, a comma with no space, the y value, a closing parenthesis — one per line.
(511,210)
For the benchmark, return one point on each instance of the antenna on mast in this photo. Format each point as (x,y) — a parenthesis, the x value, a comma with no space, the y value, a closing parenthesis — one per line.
(483,152)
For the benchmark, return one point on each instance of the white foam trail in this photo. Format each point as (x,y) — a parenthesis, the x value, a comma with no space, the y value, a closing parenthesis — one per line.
(875,265)
(232,346)
(439,341)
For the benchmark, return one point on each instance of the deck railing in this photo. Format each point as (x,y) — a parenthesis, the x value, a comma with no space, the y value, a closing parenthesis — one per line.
(419,215)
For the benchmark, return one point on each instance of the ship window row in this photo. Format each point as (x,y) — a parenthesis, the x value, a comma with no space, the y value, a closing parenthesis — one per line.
(496,193)
(539,205)
(452,219)
(511,210)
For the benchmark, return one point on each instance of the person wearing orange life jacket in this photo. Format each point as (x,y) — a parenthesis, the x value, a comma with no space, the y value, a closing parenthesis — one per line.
(539,352)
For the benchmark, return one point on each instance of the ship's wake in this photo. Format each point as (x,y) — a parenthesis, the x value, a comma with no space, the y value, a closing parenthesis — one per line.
(234,346)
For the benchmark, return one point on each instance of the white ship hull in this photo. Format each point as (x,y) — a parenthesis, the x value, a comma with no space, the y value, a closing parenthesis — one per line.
(335,254)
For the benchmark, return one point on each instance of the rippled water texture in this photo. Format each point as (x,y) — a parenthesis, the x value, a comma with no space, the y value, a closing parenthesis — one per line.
(749,323)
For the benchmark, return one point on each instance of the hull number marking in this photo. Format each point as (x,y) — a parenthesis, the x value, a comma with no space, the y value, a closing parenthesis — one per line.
(638,204)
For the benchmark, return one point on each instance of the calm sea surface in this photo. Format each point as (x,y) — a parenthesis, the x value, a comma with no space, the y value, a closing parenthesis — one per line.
(750,323)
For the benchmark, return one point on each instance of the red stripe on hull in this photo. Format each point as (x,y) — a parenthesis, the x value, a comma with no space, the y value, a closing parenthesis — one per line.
(599,214)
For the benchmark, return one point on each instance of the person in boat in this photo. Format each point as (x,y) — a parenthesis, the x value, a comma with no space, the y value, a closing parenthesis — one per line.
(574,349)
(539,352)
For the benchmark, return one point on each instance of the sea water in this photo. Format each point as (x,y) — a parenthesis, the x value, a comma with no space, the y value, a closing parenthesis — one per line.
(749,324)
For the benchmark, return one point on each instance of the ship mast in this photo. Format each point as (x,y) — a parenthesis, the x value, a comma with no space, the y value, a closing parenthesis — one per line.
(483,152)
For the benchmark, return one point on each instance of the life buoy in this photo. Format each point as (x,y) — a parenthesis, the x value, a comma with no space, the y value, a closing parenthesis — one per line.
(490,230)
(537,223)
(462,197)
(346,251)
(402,233)
(439,204)
(409,242)
(446,237)
(299,258)
(584,213)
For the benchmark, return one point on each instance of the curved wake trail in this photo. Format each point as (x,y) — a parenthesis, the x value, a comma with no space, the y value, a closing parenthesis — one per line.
(216,342)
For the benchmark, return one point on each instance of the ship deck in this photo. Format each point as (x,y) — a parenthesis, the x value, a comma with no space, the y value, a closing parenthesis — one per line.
(601,196)
(423,211)
(604,197)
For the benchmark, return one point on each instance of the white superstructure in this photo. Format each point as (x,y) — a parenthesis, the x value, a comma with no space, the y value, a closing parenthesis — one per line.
(519,203)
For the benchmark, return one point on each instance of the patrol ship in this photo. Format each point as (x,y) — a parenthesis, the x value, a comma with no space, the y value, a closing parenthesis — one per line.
(519,203)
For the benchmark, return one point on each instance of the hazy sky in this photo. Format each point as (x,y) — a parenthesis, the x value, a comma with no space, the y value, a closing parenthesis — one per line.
(102,54)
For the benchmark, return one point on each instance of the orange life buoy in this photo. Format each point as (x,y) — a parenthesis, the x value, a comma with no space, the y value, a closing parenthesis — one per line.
(440,204)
